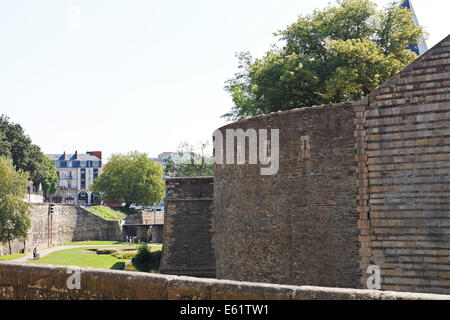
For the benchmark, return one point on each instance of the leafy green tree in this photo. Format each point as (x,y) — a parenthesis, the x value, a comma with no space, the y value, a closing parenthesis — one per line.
(190,163)
(48,177)
(131,178)
(5,145)
(16,144)
(337,54)
(26,156)
(14,217)
(42,170)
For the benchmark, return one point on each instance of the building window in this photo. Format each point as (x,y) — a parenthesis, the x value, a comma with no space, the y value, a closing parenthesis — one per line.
(83,178)
(64,175)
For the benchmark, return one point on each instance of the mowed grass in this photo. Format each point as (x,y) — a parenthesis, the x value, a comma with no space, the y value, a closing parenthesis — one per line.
(96,243)
(107,213)
(12,257)
(111,212)
(83,257)
(87,257)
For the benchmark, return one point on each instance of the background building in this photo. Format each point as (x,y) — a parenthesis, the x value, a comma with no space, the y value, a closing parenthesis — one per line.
(174,156)
(76,172)
(419,48)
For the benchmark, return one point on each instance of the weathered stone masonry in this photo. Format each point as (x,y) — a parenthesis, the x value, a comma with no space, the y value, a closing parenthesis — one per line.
(187,245)
(145,225)
(300,225)
(27,281)
(403,153)
(358,185)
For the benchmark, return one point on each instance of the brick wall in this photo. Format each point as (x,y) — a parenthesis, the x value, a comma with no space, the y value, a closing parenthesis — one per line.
(187,244)
(26,281)
(345,200)
(300,225)
(157,233)
(403,148)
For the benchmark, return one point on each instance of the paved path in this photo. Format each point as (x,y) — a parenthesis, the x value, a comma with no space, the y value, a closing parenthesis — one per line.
(44,252)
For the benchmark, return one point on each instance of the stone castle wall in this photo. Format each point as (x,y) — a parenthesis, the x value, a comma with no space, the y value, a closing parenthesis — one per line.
(403,149)
(358,185)
(29,281)
(145,225)
(187,244)
(298,226)
(69,223)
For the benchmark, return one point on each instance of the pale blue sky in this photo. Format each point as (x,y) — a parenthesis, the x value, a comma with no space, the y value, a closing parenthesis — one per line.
(138,75)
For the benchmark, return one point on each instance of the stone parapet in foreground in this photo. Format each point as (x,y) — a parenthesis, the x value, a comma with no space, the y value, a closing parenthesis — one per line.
(23,281)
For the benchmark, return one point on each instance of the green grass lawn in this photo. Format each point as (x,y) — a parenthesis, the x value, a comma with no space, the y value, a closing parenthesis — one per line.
(97,243)
(109,213)
(87,257)
(12,257)
(82,257)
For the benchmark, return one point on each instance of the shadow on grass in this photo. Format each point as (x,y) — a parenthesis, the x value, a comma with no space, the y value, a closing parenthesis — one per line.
(118,266)
(148,262)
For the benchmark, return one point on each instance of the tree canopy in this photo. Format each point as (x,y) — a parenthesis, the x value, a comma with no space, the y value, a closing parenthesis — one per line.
(191,162)
(17,146)
(337,54)
(131,178)
(14,217)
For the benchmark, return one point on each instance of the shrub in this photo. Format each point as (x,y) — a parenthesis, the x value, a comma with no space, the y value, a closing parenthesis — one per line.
(143,254)
(145,260)
(130,267)
(106,251)
(126,254)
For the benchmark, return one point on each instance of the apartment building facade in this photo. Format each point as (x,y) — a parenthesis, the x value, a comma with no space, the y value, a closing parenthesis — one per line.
(76,173)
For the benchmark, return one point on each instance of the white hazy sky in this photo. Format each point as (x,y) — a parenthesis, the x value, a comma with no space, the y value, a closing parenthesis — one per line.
(138,74)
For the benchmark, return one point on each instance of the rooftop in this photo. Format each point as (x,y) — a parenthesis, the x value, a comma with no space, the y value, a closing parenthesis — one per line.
(75,156)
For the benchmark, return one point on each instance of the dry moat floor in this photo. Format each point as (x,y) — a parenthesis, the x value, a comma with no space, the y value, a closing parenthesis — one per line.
(82,254)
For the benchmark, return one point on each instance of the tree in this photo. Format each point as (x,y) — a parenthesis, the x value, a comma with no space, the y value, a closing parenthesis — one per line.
(131,178)
(14,217)
(338,54)
(5,145)
(42,170)
(190,162)
(48,177)
(17,146)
